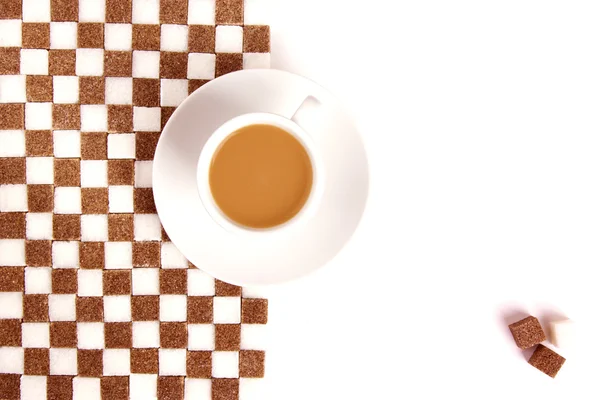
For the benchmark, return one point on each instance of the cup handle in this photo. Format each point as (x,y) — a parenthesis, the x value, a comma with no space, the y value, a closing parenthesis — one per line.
(304,114)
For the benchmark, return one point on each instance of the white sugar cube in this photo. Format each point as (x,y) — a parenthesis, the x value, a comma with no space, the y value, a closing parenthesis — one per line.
(257,60)
(94,173)
(229,39)
(120,199)
(33,387)
(142,386)
(256,12)
(61,307)
(562,333)
(34,62)
(121,145)
(11,360)
(12,303)
(145,281)
(63,35)
(201,66)
(90,335)
(36,334)
(67,200)
(40,170)
(117,37)
(91,10)
(198,389)
(36,10)
(38,280)
(145,11)
(39,226)
(225,364)
(172,362)
(13,143)
(63,361)
(12,88)
(254,337)
(173,92)
(145,64)
(146,227)
(171,257)
(89,282)
(173,37)
(10,33)
(12,254)
(94,228)
(86,388)
(201,337)
(66,89)
(116,362)
(173,307)
(13,198)
(201,12)
(94,118)
(119,90)
(146,119)
(143,174)
(256,292)
(200,283)
(252,389)
(65,254)
(89,62)
(117,308)
(118,255)
(67,144)
(227,310)
(38,116)
(145,334)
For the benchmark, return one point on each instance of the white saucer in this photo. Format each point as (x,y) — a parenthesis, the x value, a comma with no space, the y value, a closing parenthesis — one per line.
(250,260)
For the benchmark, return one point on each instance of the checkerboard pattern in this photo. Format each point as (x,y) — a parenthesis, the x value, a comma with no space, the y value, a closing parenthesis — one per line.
(95,301)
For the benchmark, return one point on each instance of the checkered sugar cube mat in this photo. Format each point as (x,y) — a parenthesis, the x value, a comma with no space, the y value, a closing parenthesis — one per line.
(95,301)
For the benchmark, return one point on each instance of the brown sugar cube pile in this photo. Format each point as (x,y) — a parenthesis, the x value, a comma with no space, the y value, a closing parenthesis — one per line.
(546,360)
(527,332)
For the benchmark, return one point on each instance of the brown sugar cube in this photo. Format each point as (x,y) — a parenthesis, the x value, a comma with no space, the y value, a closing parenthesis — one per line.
(91,90)
(120,227)
(61,62)
(37,362)
(63,334)
(12,226)
(117,335)
(10,384)
(39,144)
(200,310)
(170,387)
(66,172)
(174,12)
(225,389)
(90,309)
(143,201)
(40,198)
(114,387)
(165,114)
(64,10)
(66,227)
(226,289)
(59,387)
(527,332)
(254,311)
(227,337)
(94,200)
(173,335)
(35,308)
(12,170)
(64,281)
(89,363)
(12,116)
(90,35)
(12,279)
(38,88)
(173,281)
(257,39)
(163,234)
(228,62)
(66,116)
(145,37)
(199,364)
(546,360)
(145,145)
(201,39)
(11,9)
(144,361)
(146,254)
(10,61)
(146,92)
(93,145)
(91,255)
(118,11)
(117,63)
(173,65)
(10,332)
(194,84)
(252,364)
(38,253)
(229,12)
(116,282)
(120,118)
(120,172)
(35,35)
(144,308)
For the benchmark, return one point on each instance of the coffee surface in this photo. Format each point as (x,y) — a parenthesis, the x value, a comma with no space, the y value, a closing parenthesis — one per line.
(260,176)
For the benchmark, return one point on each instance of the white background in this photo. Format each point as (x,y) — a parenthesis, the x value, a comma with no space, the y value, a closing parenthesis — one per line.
(481,122)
